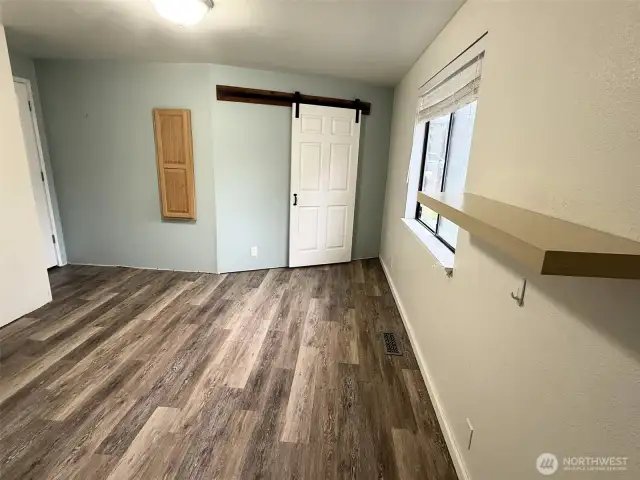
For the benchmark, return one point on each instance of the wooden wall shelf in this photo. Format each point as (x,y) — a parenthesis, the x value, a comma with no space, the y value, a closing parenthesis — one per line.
(544,244)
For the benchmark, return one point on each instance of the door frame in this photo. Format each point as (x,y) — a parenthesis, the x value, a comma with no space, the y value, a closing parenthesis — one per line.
(43,169)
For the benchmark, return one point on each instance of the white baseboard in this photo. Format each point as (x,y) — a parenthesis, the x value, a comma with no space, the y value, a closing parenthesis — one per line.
(458,461)
(186,271)
(137,268)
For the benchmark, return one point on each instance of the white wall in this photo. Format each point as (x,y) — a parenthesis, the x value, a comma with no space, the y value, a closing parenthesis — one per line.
(24,284)
(557,131)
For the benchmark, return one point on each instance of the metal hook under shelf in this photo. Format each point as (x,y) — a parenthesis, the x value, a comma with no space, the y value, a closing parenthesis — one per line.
(519,297)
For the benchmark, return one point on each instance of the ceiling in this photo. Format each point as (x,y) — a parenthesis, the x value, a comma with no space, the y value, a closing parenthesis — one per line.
(375,41)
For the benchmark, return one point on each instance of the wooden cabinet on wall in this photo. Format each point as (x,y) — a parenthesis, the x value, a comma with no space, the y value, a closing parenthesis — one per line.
(174,153)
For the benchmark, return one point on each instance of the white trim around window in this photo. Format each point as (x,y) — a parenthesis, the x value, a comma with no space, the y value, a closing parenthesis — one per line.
(441,147)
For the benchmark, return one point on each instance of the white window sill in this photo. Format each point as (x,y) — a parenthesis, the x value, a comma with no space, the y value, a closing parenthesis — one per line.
(442,254)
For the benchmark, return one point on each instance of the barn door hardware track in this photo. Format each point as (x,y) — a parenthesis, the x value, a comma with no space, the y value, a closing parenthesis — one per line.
(285,99)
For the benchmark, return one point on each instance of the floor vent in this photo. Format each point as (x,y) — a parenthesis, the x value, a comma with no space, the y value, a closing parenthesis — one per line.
(391,347)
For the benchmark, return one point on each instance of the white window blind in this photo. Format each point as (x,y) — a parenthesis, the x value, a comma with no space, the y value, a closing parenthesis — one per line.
(451,91)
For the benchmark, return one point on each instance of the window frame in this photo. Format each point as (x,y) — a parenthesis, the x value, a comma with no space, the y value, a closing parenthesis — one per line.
(443,182)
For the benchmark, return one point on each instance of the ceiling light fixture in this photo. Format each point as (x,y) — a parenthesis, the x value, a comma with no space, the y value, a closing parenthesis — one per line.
(183,12)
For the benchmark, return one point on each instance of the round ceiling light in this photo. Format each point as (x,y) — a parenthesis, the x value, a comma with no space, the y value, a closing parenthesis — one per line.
(183,12)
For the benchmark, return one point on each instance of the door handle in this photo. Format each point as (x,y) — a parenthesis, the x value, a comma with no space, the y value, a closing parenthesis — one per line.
(295,199)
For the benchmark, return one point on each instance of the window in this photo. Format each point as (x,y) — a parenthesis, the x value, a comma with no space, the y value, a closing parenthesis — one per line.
(442,143)
(445,155)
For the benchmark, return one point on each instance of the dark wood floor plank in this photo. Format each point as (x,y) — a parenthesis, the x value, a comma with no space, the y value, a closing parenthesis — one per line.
(123,276)
(30,402)
(54,446)
(15,328)
(55,327)
(258,383)
(37,367)
(239,434)
(288,352)
(261,459)
(209,285)
(379,425)
(297,420)
(275,374)
(97,467)
(133,461)
(207,435)
(17,341)
(356,454)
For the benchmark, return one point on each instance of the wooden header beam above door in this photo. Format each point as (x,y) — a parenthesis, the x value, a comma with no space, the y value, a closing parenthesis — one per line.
(284,99)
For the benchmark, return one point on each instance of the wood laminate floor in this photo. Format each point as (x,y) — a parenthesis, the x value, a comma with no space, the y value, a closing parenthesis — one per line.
(276,374)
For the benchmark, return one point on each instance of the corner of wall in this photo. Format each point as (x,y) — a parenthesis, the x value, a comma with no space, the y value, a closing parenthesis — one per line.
(24,283)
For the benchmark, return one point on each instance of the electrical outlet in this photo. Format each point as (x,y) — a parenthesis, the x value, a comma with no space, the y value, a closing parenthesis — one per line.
(254,251)
(470,433)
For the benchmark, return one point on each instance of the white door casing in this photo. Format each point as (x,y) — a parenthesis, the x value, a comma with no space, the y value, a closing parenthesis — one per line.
(37,171)
(324,169)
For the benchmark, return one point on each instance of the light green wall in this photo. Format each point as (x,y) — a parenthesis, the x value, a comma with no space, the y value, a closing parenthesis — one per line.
(22,66)
(98,118)
(252,155)
(99,122)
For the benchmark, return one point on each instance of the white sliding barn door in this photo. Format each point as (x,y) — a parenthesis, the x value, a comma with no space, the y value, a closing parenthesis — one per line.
(324,169)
